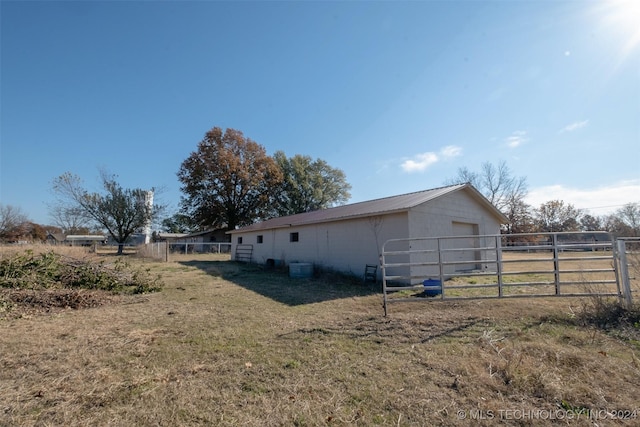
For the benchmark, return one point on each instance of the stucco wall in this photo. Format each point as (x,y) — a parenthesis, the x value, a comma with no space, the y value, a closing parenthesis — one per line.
(435,218)
(345,246)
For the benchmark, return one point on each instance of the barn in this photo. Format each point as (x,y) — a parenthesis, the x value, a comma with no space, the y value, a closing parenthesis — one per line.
(347,238)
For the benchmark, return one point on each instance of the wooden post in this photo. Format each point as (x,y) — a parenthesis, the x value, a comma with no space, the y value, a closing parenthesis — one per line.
(166,251)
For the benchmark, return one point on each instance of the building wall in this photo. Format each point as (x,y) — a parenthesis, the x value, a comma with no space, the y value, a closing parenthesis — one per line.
(436,217)
(349,245)
(452,215)
(345,246)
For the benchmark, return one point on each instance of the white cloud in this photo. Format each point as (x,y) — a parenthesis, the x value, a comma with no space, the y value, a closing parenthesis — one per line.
(574,126)
(421,162)
(516,139)
(451,151)
(597,201)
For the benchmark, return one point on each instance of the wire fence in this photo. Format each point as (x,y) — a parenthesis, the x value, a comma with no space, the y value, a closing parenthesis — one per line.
(164,250)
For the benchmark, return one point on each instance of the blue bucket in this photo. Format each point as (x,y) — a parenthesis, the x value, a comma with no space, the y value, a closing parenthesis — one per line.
(432,287)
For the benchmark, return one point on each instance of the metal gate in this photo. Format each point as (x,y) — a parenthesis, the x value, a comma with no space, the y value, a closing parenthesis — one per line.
(530,265)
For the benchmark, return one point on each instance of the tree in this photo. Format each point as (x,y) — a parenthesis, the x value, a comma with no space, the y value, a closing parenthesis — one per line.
(71,219)
(122,212)
(229,181)
(308,185)
(12,221)
(555,216)
(630,215)
(505,191)
(625,222)
(591,223)
(35,232)
(177,223)
(520,218)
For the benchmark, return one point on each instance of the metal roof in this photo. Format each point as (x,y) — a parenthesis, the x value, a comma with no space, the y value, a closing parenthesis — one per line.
(385,205)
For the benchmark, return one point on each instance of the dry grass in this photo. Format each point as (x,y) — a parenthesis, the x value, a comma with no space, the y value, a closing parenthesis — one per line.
(230,344)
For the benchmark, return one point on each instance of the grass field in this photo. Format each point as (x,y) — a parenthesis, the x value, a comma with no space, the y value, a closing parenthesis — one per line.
(231,344)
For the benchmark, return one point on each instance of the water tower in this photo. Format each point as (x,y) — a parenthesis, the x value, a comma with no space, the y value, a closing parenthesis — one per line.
(148,202)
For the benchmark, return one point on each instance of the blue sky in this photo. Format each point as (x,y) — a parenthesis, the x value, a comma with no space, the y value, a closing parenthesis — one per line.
(398,95)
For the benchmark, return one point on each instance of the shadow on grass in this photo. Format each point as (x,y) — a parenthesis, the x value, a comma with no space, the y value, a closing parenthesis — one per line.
(380,330)
(277,285)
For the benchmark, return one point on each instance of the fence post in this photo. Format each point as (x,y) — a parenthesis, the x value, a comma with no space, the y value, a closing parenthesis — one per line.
(499,264)
(556,262)
(384,280)
(624,272)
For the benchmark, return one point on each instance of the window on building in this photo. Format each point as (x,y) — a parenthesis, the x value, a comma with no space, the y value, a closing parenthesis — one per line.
(294,237)
(260,238)
(239,240)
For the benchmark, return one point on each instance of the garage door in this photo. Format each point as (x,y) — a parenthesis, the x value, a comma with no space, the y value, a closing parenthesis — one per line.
(465,229)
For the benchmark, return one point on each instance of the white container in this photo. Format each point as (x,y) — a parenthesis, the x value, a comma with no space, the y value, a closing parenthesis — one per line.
(301,269)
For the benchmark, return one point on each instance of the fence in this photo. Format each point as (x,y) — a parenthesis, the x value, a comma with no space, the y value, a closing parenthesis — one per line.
(507,266)
(628,250)
(162,250)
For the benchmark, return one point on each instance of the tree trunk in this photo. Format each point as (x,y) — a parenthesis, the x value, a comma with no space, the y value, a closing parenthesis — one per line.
(120,248)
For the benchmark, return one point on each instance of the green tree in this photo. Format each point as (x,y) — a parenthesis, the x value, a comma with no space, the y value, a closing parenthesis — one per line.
(122,212)
(177,223)
(308,185)
(228,181)
(555,216)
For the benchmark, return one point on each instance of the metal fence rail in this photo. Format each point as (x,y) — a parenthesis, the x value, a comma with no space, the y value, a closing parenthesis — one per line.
(502,266)
(628,249)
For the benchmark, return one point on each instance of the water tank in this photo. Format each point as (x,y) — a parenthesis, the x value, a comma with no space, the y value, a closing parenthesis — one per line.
(301,269)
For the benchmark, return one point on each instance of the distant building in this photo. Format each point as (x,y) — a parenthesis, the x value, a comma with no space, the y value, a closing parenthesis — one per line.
(76,239)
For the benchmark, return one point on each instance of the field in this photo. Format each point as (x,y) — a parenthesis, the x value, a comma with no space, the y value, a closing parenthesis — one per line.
(232,344)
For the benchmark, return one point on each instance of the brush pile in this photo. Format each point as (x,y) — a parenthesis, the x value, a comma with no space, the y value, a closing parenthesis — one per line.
(48,280)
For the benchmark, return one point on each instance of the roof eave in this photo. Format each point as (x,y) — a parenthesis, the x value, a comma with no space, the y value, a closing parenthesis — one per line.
(303,223)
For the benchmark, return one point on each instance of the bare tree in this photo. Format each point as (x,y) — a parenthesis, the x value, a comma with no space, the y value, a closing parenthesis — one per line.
(504,190)
(122,212)
(591,223)
(625,222)
(71,219)
(12,221)
(630,215)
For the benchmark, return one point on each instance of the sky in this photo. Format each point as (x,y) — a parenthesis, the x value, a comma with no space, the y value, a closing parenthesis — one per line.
(399,95)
